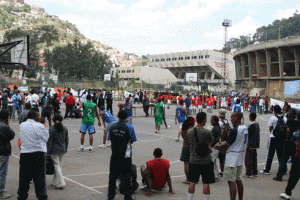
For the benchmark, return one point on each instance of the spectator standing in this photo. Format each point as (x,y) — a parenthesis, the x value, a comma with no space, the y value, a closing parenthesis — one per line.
(35,99)
(10,105)
(70,104)
(238,108)
(295,172)
(156,173)
(17,103)
(146,105)
(121,135)
(109,103)
(185,152)
(253,145)
(235,155)
(201,162)
(261,105)
(24,115)
(187,103)
(101,101)
(56,103)
(266,105)
(216,132)
(289,148)
(6,135)
(57,146)
(34,137)
(4,99)
(128,109)
(275,143)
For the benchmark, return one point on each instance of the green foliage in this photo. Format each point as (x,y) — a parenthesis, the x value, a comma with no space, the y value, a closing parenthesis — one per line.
(26,8)
(277,30)
(77,61)
(49,34)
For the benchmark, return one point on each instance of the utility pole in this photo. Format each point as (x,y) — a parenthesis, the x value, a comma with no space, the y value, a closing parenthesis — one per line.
(226,23)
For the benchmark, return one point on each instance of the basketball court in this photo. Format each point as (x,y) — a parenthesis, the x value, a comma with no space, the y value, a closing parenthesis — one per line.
(86,174)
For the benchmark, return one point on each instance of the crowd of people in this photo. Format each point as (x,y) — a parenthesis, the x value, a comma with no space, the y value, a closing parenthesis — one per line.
(214,154)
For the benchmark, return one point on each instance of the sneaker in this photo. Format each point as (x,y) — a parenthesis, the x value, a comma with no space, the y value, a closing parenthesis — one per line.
(264,172)
(167,127)
(289,161)
(248,176)
(177,140)
(4,195)
(82,149)
(285,196)
(91,150)
(103,146)
(144,188)
(221,175)
(108,145)
(255,176)
(277,179)
(156,131)
(217,179)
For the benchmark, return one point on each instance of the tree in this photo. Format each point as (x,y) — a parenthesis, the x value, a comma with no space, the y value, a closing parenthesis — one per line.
(49,34)
(76,61)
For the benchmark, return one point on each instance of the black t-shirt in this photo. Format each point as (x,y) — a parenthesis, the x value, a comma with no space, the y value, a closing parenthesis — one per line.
(216,132)
(293,125)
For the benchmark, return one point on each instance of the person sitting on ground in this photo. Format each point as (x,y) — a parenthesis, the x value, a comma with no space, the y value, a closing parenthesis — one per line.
(156,173)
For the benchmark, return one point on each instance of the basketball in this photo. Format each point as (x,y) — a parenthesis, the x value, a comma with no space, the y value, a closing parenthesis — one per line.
(120,104)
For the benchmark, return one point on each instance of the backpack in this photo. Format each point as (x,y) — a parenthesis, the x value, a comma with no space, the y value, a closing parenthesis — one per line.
(280,128)
(202,148)
(237,109)
(226,131)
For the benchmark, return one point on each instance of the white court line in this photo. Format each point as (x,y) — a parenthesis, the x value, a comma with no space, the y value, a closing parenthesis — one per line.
(106,172)
(73,181)
(102,186)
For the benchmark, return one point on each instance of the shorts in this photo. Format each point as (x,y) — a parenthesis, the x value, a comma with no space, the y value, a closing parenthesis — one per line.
(89,128)
(107,127)
(158,120)
(129,120)
(199,106)
(208,107)
(229,104)
(169,101)
(185,154)
(206,172)
(233,174)
(194,107)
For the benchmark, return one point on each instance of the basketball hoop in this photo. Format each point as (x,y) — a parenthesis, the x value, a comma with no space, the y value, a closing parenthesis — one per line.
(32,65)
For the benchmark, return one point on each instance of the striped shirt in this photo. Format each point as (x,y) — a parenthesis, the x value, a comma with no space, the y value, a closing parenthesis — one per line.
(34,137)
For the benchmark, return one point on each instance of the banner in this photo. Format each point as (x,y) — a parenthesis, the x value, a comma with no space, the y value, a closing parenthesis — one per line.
(291,88)
(23,89)
(281,104)
(127,94)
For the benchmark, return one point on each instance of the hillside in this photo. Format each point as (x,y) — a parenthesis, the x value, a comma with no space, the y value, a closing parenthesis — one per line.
(48,31)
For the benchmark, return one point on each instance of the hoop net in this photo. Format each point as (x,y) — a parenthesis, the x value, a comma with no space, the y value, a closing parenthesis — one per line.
(32,65)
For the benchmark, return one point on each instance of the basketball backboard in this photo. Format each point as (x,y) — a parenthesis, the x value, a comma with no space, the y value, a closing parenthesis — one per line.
(191,77)
(107,77)
(20,53)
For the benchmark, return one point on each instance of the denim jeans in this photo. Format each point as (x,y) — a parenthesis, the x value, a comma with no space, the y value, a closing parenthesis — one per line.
(14,111)
(4,160)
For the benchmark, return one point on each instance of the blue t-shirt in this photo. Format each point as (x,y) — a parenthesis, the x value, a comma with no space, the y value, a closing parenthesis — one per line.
(108,117)
(16,97)
(128,111)
(180,114)
(188,101)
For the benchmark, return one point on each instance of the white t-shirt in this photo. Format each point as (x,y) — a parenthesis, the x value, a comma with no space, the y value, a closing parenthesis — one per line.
(35,99)
(235,155)
(28,99)
(272,122)
(261,102)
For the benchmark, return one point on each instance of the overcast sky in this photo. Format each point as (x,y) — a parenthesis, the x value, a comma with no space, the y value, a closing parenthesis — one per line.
(164,26)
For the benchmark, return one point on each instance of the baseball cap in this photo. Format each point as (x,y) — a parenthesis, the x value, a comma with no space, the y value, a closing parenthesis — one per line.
(222,113)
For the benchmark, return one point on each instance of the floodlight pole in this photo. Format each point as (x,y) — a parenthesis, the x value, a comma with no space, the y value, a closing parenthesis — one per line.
(226,23)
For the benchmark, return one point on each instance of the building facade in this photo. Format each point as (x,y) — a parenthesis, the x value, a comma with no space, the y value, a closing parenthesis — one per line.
(208,64)
(269,65)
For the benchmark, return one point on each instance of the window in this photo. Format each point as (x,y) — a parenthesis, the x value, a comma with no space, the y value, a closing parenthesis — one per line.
(119,71)
(187,58)
(175,58)
(128,71)
(206,56)
(195,57)
(132,71)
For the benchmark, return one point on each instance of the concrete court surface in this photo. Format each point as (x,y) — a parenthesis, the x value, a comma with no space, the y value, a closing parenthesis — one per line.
(86,174)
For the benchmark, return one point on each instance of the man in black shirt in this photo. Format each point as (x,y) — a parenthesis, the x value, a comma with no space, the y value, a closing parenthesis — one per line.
(122,135)
(109,102)
(101,101)
(289,148)
(146,105)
